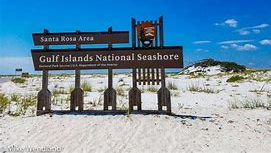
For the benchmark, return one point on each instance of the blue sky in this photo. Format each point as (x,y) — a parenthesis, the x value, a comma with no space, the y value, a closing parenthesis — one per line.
(227,30)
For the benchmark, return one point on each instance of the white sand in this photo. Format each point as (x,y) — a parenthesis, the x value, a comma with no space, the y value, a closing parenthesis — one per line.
(238,130)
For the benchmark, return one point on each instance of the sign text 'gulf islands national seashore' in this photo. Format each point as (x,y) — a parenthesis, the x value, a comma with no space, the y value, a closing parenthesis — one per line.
(117,58)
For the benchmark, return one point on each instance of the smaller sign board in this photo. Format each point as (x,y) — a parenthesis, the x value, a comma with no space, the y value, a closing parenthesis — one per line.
(77,38)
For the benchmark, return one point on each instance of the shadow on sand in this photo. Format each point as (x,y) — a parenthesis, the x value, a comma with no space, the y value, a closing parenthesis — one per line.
(125,112)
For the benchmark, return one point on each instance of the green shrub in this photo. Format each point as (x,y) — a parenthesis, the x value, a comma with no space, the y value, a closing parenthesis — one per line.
(120,91)
(24,104)
(86,86)
(18,80)
(226,66)
(71,88)
(63,75)
(235,78)
(152,89)
(124,107)
(4,102)
(15,97)
(56,92)
(28,101)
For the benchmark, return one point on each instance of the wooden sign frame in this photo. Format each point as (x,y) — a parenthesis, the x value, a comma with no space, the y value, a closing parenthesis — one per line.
(144,72)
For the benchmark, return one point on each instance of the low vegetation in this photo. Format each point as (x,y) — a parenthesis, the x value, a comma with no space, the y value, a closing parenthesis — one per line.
(4,102)
(124,107)
(18,80)
(259,76)
(152,89)
(22,103)
(15,97)
(235,78)
(172,86)
(57,92)
(226,66)
(269,100)
(195,88)
(26,102)
(260,90)
(71,88)
(197,75)
(120,91)
(86,86)
(247,103)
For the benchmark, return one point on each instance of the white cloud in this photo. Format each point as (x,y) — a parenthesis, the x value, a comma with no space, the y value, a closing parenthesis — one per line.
(260,26)
(234,41)
(254,29)
(246,47)
(229,22)
(224,47)
(265,42)
(202,50)
(201,42)
(243,32)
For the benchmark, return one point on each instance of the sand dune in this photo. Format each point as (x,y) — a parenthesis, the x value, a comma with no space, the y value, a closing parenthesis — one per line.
(226,130)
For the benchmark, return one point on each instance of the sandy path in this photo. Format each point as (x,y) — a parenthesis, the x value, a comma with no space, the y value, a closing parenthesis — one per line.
(3,80)
(232,130)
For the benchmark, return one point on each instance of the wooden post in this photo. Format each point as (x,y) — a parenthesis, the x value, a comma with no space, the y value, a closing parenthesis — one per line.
(161,31)
(110,94)
(77,95)
(134,93)
(44,96)
(164,94)
(134,26)
(133,33)
(155,39)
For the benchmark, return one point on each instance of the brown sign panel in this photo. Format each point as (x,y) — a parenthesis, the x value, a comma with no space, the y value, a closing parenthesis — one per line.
(80,38)
(103,58)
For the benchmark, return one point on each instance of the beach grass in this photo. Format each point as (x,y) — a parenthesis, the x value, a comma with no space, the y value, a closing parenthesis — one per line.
(172,86)
(18,80)
(235,78)
(195,88)
(4,102)
(247,103)
(86,86)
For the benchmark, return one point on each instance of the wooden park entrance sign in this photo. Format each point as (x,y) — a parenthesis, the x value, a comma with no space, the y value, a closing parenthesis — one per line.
(148,58)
